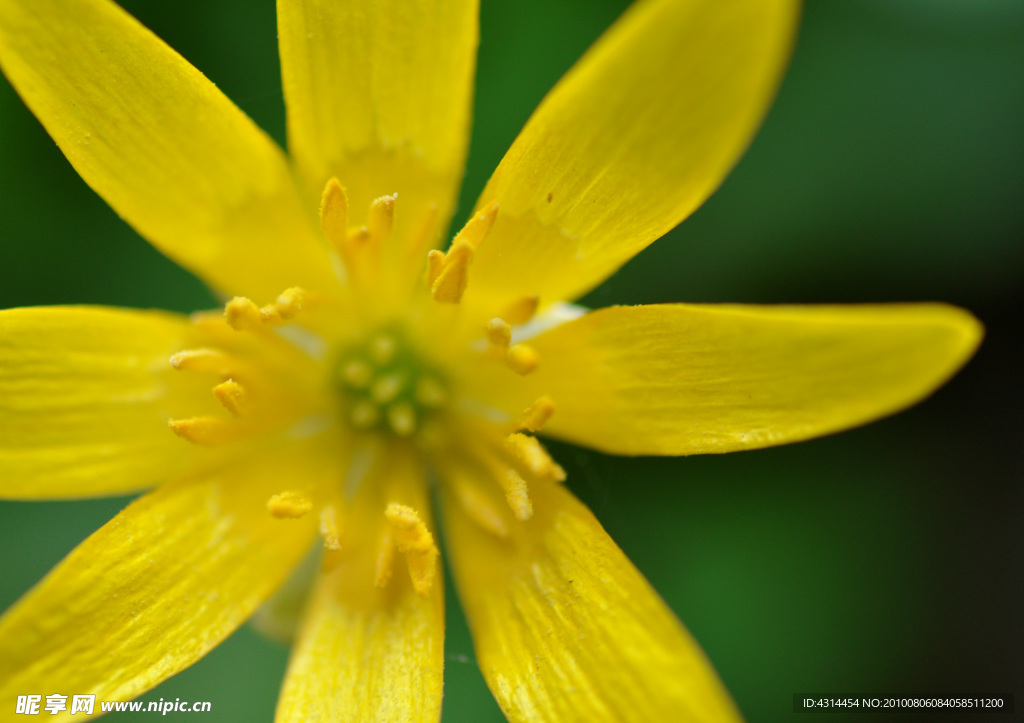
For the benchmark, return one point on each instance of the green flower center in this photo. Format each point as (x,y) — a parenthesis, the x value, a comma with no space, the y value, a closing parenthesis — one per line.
(384,386)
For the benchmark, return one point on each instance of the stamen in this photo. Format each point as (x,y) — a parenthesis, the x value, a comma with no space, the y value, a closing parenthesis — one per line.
(289,505)
(385,560)
(435,264)
(476,504)
(232,395)
(521,310)
(451,283)
(204,430)
(413,539)
(242,314)
(334,217)
(329,528)
(381,217)
(202,360)
(288,304)
(531,453)
(402,418)
(477,228)
(536,415)
(517,495)
(521,359)
(499,333)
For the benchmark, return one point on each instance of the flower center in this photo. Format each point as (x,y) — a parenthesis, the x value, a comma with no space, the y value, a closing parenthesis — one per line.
(384,386)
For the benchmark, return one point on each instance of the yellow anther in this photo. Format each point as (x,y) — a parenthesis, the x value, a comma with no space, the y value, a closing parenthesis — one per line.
(517,495)
(521,310)
(451,282)
(232,395)
(329,529)
(290,302)
(357,373)
(435,264)
(477,505)
(531,453)
(402,418)
(413,539)
(536,415)
(202,360)
(386,388)
(521,359)
(242,314)
(381,217)
(289,505)
(477,228)
(499,333)
(383,348)
(385,560)
(334,217)
(204,430)
(430,392)
(358,238)
(364,414)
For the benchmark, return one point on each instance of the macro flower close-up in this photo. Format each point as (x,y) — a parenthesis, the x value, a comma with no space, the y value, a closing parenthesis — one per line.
(374,399)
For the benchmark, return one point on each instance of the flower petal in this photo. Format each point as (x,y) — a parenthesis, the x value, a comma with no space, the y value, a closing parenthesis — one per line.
(166,149)
(566,629)
(379,96)
(159,585)
(366,652)
(633,139)
(85,395)
(691,379)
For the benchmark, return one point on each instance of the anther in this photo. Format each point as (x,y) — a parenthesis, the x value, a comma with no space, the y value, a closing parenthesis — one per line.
(430,393)
(477,228)
(517,495)
(521,310)
(451,282)
(357,374)
(386,388)
(289,505)
(203,360)
(381,217)
(402,418)
(204,430)
(288,304)
(435,264)
(242,314)
(334,217)
(413,539)
(232,395)
(521,359)
(531,453)
(499,333)
(536,415)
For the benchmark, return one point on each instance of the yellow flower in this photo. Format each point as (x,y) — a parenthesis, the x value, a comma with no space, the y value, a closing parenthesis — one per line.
(354,371)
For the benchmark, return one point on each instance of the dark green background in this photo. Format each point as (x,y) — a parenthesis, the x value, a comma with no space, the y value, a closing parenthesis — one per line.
(885,560)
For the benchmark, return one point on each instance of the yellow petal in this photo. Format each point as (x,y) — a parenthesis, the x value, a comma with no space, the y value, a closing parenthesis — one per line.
(689,379)
(633,139)
(166,149)
(566,629)
(85,395)
(378,95)
(367,652)
(160,585)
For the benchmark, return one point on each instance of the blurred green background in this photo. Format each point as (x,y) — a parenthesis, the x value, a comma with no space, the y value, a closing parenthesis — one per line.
(885,560)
